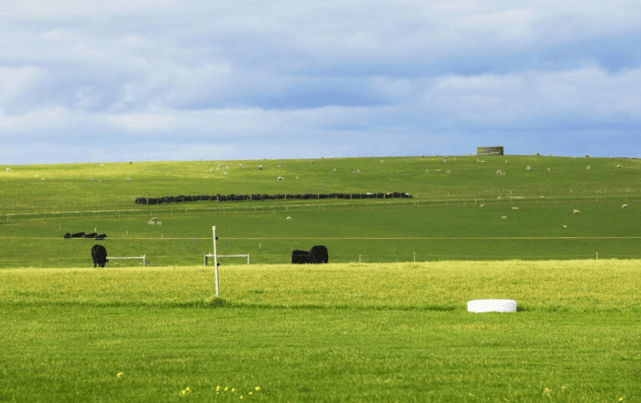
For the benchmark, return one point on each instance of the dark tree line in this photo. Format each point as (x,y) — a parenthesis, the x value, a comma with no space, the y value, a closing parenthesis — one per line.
(233,197)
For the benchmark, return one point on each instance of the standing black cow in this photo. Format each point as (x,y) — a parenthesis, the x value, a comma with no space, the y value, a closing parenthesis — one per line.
(99,255)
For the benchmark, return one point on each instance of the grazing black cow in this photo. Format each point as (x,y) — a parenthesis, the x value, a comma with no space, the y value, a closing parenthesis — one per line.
(99,255)
(100,237)
(67,235)
(318,254)
(78,235)
(92,235)
(300,256)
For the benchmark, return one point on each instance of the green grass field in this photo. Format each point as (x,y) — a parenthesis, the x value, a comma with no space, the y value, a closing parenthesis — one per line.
(346,331)
(335,333)
(443,221)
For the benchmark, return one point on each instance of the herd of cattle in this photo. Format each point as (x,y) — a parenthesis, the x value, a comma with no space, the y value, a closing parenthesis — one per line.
(307,196)
(93,235)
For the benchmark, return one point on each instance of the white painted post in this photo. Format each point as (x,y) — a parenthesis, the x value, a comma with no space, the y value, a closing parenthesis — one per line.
(597,256)
(414,257)
(359,258)
(215,260)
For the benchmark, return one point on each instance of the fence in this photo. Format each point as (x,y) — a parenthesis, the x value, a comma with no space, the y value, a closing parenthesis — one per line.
(248,256)
(143,257)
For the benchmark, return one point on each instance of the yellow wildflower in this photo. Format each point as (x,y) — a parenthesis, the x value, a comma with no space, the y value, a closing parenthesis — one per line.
(233,390)
(119,374)
(217,388)
(226,387)
(187,389)
(257,387)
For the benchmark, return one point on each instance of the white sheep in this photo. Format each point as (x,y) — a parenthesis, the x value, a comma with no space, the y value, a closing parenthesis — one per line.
(588,168)
(506,161)
(128,179)
(289,218)
(9,170)
(382,161)
(427,170)
(515,208)
(528,168)
(499,172)
(548,169)
(152,221)
(280,178)
(278,166)
(504,217)
(565,226)
(576,212)
(438,171)
(227,167)
(158,223)
(335,170)
(482,205)
(225,173)
(619,167)
(89,178)
(624,206)
(448,172)
(240,165)
(42,179)
(260,167)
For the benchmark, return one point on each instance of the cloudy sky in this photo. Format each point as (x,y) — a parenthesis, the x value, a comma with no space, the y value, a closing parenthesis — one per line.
(120,80)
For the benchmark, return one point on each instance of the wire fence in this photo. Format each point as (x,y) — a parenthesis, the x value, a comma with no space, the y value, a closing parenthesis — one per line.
(243,208)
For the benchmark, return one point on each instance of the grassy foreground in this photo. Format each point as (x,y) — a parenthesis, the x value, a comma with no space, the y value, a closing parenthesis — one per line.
(337,332)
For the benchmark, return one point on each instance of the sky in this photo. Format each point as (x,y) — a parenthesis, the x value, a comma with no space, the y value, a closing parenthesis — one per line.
(160,80)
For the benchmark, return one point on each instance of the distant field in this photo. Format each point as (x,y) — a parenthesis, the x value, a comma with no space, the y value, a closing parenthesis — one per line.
(443,221)
(330,333)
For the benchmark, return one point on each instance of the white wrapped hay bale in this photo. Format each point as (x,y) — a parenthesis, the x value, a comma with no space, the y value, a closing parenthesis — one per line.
(491,305)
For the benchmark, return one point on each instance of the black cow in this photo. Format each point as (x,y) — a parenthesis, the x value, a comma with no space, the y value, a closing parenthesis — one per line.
(78,235)
(100,237)
(318,254)
(99,255)
(67,235)
(92,235)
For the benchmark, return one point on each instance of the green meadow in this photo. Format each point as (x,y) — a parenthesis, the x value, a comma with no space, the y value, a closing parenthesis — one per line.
(443,221)
(338,333)
(392,328)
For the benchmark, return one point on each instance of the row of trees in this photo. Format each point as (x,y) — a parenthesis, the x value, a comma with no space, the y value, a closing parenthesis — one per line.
(232,197)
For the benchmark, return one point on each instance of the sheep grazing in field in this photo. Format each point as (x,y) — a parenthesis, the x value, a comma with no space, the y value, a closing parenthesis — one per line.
(504,217)
(619,167)
(438,171)
(9,170)
(280,178)
(382,161)
(427,170)
(588,168)
(528,168)
(288,218)
(227,167)
(506,162)
(356,171)
(482,205)
(278,166)
(448,172)
(624,206)
(152,221)
(515,208)
(240,165)
(128,179)
(499,172)
(548,169)
(576,212)
(565,226)
(482,161)
(42,179)
(224,173)
(311,161)
(158,223)
(260,167)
